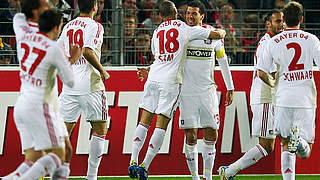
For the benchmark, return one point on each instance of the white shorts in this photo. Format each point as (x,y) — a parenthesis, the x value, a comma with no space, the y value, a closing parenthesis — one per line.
(94,105)
(263,120)
(39,125)
(303,118)
(199,111)
(160,98)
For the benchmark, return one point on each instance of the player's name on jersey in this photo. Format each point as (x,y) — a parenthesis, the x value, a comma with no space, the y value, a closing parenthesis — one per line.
(36,38)
(297,76)
(169,22)
(290,35)
(29,78)
(199,53)
(77,23)
(166,57)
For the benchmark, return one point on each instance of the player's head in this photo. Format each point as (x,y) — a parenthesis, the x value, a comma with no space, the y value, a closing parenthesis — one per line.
(88,6)
(50,22)
(293,14)
(274,21)
(168,10)
(33,8)
(195,13)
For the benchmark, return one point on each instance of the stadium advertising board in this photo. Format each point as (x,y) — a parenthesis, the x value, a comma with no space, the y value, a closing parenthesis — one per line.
(124,91)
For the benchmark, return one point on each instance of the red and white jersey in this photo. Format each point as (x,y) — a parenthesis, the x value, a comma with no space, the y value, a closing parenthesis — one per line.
(168,46)
(39,57)
(261,92)
(294,51)
(88,34)
(22,27)
(199,65)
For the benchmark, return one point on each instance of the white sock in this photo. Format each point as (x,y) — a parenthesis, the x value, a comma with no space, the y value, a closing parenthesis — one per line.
(191,154)
(304,149)
(62,173)
(138,141)
(23,167)
(248,159)
(45,165)
(288,163)
(95,156)
(154,146)
(208,156)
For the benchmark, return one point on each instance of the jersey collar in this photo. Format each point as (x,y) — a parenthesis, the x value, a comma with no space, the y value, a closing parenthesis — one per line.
(41,33)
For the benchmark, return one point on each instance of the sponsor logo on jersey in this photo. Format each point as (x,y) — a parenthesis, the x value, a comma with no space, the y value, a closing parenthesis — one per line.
(199,53)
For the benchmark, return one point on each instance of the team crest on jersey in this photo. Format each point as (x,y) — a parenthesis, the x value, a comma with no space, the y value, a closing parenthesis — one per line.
(208,41)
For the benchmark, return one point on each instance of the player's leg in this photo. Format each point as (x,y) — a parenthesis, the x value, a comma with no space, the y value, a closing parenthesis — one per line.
(47,137)
(69,112)
(262,127)
(188,120)
(209,151)
(148,103)
(191,152)
(209,121)
(288,160)
(140,135)
(95,108)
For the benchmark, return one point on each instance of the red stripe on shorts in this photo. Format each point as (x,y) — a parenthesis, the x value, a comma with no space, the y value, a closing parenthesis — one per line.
(50,126)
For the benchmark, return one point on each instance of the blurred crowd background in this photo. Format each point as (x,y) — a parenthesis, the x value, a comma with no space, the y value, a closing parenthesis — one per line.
(129,24)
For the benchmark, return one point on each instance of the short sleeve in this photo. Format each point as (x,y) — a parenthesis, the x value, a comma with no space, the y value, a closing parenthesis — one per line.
(94,33)
(265,62)
(316,51)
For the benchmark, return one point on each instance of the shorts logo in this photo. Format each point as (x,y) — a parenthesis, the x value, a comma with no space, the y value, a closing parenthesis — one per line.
(271,132)
(182,122)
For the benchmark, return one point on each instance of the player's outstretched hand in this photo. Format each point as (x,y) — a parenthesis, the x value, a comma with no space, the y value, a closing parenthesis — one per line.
(75,53)
(104,75)
(229,97)
(143,73)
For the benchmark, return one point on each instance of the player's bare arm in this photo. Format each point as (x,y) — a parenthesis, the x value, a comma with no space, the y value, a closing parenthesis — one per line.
(90,55)
(267,78)
(75,53)
(217,34)
(143,73)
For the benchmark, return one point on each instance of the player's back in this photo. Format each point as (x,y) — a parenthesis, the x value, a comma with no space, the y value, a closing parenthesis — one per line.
(88,34)
(294,51)
(168,47)
(38,57)
(198,76)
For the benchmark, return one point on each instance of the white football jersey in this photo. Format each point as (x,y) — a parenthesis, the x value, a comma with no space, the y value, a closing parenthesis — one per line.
(294,51)
(168,46)
(39,57)
(22,27)
(88,34)
(261,92)
(199,65)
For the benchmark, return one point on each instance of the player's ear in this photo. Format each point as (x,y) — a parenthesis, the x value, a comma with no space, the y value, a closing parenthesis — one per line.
(202,17)
(301,20)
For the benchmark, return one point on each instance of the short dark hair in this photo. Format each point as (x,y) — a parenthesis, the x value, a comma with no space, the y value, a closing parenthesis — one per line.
(198,4)
(49,19)
(29,5)
(269,14)
(85,6)
(292,13)
(166,8)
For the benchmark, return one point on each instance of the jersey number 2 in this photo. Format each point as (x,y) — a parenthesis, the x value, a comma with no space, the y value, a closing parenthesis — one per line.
(297,54)
(171,36)
(41,54)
